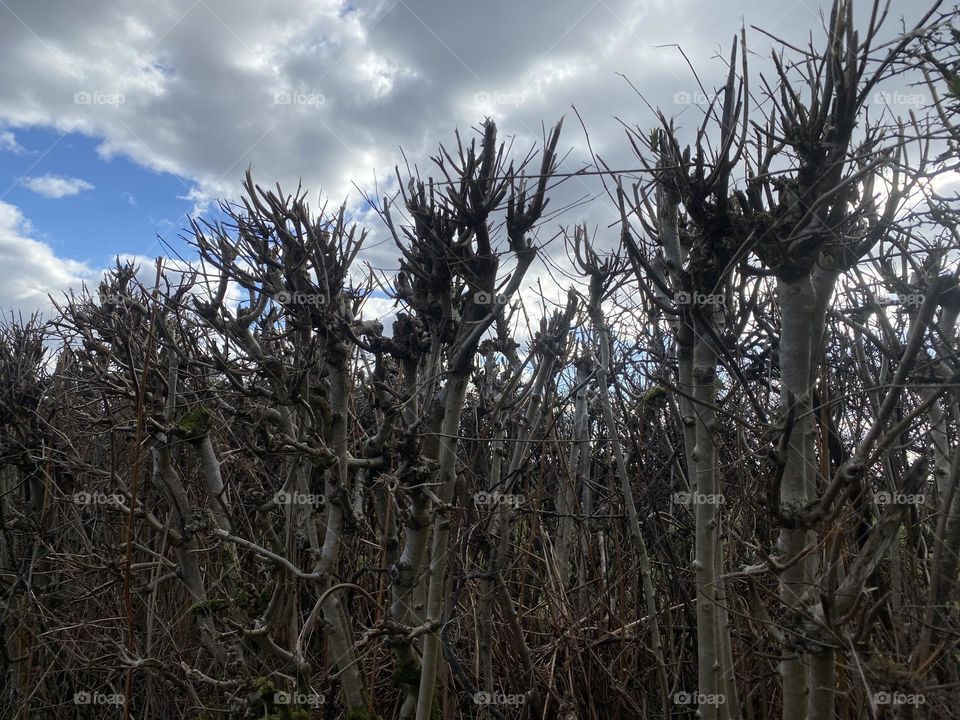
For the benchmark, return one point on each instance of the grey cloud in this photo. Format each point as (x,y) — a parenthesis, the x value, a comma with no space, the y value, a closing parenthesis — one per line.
(192,88)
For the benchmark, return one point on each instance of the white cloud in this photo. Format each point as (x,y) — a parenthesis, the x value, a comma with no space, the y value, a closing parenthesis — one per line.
(29,269)
(382,309)
(8,143)
(56,186)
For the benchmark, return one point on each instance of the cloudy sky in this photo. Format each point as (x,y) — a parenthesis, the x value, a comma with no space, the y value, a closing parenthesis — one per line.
(120,118)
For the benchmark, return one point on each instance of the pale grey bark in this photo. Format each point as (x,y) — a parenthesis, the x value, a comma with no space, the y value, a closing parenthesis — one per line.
(446,479)
(408,575)
(336,492)
(797,301)
(712,677)
(945,558)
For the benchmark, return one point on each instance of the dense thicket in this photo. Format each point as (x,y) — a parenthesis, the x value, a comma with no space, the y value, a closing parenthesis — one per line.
(721,478)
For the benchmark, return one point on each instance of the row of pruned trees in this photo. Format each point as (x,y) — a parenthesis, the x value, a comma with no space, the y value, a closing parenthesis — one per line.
(719,477)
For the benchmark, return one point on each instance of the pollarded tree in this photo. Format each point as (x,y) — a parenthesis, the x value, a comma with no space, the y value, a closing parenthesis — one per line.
(808,211)
(451,279)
